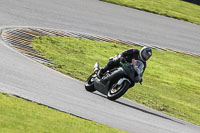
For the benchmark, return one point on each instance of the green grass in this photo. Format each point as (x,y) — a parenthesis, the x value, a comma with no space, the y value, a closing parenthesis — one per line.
(170,82)
(20,116)
(172,8)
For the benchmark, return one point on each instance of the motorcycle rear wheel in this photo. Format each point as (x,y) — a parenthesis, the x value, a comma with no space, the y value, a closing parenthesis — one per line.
(89,84)
(117,91)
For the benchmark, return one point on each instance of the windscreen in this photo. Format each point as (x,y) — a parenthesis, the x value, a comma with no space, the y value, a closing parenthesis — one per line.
(138,66)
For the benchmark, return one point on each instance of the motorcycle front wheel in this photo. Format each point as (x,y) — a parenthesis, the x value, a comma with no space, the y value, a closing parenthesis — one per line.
(89,84)
(117,91)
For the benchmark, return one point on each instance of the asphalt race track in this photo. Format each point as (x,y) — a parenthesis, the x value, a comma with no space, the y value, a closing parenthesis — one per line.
(29,79)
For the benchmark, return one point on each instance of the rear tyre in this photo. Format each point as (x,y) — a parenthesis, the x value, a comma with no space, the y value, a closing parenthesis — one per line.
(117,91)
(89,84)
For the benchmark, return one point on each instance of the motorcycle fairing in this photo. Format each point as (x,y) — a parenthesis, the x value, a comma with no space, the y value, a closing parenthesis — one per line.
(103,85)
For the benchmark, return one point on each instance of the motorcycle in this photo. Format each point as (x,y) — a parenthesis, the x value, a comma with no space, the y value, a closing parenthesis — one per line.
(116,82)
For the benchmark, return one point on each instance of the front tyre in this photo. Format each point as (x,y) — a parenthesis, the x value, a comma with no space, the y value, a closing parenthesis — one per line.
(117,91)
(89,84)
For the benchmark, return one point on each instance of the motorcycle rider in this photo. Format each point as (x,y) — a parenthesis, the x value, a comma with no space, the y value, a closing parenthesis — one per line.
(127,56)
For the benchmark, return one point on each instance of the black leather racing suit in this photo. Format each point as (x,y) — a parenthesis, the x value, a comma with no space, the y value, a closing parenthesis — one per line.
(127,55)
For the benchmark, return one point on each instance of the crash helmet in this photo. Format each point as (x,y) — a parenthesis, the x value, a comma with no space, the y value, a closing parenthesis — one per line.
(145,53)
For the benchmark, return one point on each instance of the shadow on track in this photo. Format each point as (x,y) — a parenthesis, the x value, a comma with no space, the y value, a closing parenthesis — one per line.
(145,111)
(148,112)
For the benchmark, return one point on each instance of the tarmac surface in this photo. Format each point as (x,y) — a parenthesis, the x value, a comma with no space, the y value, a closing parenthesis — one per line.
(26,78)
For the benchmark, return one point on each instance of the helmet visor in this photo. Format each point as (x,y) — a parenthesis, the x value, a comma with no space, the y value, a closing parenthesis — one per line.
(146,55)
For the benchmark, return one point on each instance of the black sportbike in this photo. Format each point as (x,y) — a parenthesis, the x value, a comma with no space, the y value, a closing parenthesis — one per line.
(117,81)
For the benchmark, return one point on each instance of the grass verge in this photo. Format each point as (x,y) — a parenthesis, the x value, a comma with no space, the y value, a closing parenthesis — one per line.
(171,80)
(20,116)
(172,8)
